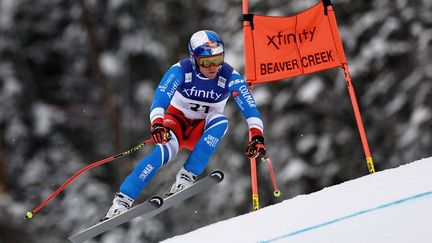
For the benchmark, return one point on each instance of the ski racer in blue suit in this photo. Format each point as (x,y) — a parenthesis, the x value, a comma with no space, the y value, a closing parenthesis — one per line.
(187,112)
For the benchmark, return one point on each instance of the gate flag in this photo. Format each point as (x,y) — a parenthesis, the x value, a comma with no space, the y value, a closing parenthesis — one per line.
(283,47)
(277,48)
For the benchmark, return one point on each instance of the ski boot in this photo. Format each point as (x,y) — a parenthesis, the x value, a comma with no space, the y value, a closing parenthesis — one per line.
(184,179)
(121,204)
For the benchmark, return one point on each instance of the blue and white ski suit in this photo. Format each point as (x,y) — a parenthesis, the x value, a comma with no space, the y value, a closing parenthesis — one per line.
(198,98)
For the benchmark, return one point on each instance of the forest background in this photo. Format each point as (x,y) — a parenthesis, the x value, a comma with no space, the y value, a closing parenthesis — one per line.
(77,79)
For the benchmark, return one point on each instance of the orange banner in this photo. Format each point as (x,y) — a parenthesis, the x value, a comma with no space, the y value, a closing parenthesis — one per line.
(281,47)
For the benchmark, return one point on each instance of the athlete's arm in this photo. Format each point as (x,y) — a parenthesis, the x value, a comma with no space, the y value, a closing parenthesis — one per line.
(245,102)
(169,83)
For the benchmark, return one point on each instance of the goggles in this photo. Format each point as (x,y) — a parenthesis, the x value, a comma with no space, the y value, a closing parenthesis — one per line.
(208,61)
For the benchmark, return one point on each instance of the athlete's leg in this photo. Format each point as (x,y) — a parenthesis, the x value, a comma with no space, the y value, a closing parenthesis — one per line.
(148,167)
(215,128)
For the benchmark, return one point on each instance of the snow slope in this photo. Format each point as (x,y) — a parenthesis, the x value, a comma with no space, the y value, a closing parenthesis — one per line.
(394,206)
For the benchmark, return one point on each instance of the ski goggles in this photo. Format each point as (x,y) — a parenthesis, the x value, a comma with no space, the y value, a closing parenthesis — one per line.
(208,61)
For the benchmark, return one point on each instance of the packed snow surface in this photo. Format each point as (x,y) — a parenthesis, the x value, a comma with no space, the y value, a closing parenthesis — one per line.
(394,205)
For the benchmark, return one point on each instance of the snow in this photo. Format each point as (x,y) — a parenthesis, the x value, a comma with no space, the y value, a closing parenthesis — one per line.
(388,206)
(53,122)
(110,64)
(310,91)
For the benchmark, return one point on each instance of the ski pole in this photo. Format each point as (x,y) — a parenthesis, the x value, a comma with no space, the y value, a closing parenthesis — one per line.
(254,181)
(30,214)
(276,191)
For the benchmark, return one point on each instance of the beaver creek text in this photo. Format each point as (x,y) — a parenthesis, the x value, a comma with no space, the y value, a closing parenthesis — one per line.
(305,61)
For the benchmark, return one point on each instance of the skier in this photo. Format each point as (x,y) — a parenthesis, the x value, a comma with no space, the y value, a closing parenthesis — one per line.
(187,113)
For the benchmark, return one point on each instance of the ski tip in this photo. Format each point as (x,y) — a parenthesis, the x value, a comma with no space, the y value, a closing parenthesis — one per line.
(29,215)
(219,175)
(156,200)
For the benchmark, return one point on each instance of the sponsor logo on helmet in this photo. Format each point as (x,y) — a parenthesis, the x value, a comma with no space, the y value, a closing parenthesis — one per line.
(210,45)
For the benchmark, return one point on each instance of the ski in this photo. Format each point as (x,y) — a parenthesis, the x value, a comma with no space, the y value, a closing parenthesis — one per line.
(145,210)
(201,185)
(150,208)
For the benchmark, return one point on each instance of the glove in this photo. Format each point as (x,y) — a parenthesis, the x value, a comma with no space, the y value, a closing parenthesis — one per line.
(256,148)
(160,133)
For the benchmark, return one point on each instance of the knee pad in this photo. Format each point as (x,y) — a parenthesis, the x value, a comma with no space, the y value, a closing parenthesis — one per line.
(218,120)
(170,149)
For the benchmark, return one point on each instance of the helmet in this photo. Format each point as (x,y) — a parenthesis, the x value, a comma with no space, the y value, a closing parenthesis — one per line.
(205,43)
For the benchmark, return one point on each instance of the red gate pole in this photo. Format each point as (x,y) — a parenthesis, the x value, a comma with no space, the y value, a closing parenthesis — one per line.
(253,162)
(369,160)
(341,52)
